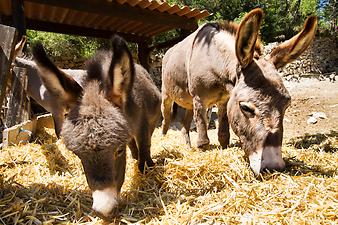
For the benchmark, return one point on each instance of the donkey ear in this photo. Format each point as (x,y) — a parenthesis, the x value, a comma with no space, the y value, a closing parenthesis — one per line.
(59,84)
(294,47)
(246,36)
(121,72)
(19,46)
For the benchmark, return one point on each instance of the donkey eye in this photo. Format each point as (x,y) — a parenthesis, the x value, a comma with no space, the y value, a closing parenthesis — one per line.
(247,108)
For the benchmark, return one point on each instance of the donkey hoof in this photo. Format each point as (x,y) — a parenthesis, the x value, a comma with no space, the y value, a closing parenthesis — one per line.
(144,166)
(203,144)
(224,145)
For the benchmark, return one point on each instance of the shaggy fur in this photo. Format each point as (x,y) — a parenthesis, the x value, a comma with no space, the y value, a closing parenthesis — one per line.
(95,124)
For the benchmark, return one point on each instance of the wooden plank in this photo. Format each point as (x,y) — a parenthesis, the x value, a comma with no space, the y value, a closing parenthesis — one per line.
(7,42)
(44,121)
(18,109)
(22,133)
(76,30)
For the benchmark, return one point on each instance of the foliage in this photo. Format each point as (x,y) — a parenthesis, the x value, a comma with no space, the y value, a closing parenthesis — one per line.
(281,17)
(68,46)
(328,17)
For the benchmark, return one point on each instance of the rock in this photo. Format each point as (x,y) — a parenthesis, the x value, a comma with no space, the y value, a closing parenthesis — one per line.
(332,77)
(311,120)
(319,115)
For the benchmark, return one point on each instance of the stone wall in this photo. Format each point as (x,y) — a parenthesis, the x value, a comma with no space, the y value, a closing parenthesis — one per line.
(320,58)
(69,63)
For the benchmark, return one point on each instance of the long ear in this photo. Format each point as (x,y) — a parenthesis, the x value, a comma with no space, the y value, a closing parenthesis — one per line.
(121,73)
(246,36)
(59,84)
(19,46)
(294,47)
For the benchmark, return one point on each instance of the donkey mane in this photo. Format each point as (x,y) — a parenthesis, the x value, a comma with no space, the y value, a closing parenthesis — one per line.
(94,65)
(232,28)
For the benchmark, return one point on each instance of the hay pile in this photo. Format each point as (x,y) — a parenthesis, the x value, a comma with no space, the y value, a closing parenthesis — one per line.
(44,183)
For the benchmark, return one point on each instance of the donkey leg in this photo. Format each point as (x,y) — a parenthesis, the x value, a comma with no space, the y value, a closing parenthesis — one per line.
(58,118)
(200,114)
(143,141)
(223,125)
(186,123)
(166,106)
(133,148)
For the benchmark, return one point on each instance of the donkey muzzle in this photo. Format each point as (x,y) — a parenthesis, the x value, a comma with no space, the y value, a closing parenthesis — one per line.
(268,158)
(105,200)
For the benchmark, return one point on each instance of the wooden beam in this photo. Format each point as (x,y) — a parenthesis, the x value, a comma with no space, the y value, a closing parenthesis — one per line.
(107,8)
(143,53)
(8,37)
(75,30)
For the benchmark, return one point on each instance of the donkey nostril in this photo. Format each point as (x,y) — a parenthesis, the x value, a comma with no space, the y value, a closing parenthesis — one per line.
(272,159)
(277,166)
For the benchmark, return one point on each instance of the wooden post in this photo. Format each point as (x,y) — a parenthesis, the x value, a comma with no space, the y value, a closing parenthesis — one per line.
(19,17)
(144,54)
(7,43)
(19,107)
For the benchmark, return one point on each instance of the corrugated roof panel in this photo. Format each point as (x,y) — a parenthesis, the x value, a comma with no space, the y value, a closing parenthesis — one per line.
(126,25)
(136,28)
(64,15)
(6,8)
(173,9)
(112,22)
(192,13)
(185,10)
(91,20)
(101,21)
(202,15)
(164,7)
(141,28)
(159,30)
(133,2)
(153,5)
(100,16)
(121,1)
(144,4)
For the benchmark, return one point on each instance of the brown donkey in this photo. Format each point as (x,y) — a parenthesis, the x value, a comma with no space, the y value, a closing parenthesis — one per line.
(220,63)
(118,105)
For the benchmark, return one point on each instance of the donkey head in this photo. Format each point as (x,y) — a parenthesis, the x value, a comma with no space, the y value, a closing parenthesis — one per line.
(259,99)
(96,129)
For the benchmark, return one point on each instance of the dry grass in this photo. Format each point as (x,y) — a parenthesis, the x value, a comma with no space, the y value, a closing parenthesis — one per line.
(44,183)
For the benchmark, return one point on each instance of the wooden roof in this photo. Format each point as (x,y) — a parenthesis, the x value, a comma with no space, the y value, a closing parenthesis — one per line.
(136,19)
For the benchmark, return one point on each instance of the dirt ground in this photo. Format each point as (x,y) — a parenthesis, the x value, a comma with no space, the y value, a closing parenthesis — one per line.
(308,96)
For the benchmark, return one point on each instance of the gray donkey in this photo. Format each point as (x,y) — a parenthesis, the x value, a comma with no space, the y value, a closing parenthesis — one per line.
(221,64)
(37,90)
(118,105)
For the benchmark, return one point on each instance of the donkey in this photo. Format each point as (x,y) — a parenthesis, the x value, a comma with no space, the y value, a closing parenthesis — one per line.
(37,90)
(118,105)
(220,63)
